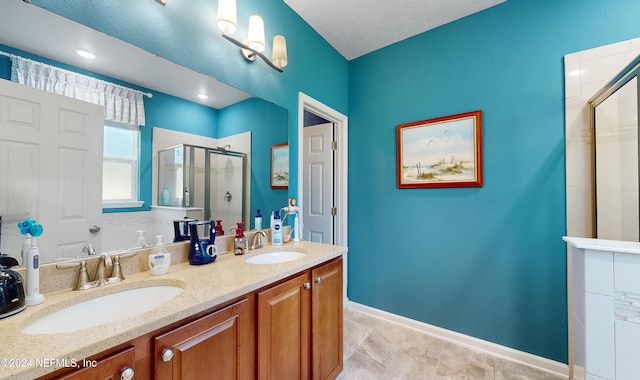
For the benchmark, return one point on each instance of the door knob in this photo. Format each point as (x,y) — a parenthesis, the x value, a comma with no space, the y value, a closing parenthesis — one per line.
(94,229)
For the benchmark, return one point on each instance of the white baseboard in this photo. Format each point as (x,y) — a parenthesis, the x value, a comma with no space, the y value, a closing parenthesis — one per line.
(538,362)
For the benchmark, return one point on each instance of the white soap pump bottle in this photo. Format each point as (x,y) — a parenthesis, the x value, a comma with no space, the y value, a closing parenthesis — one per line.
(159,259)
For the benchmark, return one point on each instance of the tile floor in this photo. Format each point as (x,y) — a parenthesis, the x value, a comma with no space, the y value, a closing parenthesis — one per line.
(375,349)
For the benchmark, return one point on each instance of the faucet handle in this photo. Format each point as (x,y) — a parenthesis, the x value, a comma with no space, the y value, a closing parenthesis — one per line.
(117,271)
(83,278)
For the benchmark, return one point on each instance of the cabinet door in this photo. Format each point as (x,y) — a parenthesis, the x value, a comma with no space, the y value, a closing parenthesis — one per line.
(213,347)
(627,338)
(114,366)
(326,321)
(283,330)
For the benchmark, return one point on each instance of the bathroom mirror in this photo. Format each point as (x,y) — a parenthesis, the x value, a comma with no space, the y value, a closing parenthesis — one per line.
(615,130)
(236,117)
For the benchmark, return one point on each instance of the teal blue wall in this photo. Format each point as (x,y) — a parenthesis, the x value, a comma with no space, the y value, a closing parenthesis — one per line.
(489,261)
(268,126)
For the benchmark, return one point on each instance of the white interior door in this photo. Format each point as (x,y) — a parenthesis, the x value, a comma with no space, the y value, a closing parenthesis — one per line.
(50,168)
(318,169)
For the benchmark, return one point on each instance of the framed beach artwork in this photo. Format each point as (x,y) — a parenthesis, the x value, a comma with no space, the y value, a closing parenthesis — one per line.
(280,166)
(441,152)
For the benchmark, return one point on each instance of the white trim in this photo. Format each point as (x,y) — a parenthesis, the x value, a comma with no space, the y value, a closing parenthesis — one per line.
(341,174)
(530,360)
(122,204)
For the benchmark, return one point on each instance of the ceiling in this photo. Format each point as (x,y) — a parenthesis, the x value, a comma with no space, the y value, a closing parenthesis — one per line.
(358,27)
(353,27)
(57,38)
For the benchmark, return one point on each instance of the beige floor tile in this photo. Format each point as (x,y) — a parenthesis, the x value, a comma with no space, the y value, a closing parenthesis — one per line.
(377,349)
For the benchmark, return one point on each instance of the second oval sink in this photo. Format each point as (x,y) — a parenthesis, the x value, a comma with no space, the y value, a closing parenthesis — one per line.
(100,310)
(275,257)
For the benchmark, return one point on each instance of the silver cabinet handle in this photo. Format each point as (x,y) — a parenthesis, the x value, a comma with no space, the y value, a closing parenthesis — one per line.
(127,373)
(94,229)
(307,285)
(318,280)
(167,355)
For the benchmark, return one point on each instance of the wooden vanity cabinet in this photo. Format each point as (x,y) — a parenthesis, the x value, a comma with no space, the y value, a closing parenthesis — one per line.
(216,346)
(290,330)
(300,326)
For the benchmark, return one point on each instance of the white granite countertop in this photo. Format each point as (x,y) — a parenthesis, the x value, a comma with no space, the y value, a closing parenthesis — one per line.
(604,245)
(23,356)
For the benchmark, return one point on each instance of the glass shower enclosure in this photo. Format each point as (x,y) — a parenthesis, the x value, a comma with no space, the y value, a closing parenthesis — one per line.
(211,179)
(614,116)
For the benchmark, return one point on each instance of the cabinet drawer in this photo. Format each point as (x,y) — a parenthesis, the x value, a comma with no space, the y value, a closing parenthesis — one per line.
(627,270)
(108,367)
(598,272)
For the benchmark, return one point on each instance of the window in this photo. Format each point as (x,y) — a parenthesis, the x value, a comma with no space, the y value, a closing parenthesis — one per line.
(120,166)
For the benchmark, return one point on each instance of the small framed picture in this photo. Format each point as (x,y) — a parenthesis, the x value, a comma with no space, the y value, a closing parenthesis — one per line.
(280,166)
(441,152)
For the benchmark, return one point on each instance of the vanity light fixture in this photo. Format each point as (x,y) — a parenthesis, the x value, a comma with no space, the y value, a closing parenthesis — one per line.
(254,45)
(161,2)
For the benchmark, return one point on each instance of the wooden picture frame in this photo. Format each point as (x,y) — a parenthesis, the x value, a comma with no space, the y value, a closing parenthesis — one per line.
(441,152)
(280,166)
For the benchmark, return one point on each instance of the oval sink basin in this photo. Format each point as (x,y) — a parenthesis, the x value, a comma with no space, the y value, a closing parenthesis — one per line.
(100,310)
(275,257)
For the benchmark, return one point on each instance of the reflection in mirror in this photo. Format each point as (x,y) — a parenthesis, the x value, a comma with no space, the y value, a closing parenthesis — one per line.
(209,179)
(616,160)
(249,125)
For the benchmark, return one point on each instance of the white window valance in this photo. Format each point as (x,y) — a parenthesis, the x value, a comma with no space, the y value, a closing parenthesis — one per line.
(121,104)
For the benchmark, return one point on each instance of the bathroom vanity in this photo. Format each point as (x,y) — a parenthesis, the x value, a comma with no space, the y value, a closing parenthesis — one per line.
(604,308)
(233,320)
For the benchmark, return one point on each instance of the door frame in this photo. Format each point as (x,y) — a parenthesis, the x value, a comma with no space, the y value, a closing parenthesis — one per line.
(305,102)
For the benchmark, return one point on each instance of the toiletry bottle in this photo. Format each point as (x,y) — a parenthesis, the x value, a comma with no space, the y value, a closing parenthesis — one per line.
(159,259)
(219,230)
(141,242)
(239,241)
(165,197)
(258,221)
(271,220)
(276,231)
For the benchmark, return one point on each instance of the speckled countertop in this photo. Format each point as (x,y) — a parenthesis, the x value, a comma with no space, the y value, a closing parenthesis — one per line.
(25,356)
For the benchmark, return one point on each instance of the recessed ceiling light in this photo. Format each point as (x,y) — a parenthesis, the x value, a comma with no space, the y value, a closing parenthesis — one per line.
(85,54)
(203,96)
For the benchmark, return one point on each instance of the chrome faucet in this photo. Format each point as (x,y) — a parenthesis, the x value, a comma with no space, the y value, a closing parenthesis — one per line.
(257,236)
(89,250)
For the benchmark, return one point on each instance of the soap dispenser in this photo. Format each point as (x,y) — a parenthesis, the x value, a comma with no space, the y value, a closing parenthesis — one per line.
(159,259)
(219,230)
(240,240)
